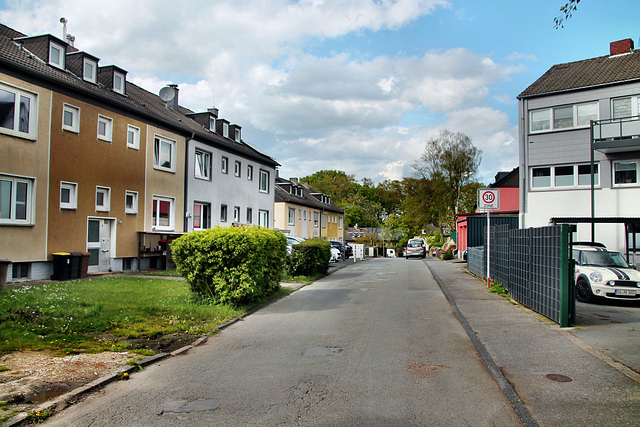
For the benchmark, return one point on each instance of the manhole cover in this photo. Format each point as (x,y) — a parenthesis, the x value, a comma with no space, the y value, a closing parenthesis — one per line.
(559,378)
(323,351)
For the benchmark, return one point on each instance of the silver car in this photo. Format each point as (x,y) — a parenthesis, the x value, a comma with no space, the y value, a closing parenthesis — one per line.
(416,248)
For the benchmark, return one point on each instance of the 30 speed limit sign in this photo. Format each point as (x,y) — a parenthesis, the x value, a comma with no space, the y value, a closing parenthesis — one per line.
(488,198)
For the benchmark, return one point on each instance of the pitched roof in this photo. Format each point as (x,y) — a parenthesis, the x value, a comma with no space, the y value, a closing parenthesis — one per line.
(588,73)
(14,57)
(307,199)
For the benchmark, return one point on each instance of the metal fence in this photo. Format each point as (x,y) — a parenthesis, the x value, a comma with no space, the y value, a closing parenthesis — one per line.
(534,265)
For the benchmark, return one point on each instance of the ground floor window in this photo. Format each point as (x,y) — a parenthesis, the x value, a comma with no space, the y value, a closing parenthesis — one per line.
(162,213)
(201,216)
(15,200)
(263,218)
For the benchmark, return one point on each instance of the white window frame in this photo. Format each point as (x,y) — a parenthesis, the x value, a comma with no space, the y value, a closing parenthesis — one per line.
(263,184)
(202,168)
(14,202)
(553,177)
(118,88)
(212,124)
(74,112)
(158,143)
(205,215)
(635,106)
(32,113)
(249,216)
(93,75)
(155,221)
(106,199)
(134,141)
(108,128)
(263,218)
(292,216)
(237,135)
(625,184)
(53,46)
(316,219)
(225,130)
(551,117)
(340,222)
(236,214)
(250,172)
(237,171)
(133,210)
(72,187)
(224,165)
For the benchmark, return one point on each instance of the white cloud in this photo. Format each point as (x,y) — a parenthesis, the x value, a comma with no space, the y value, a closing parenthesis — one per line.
(260,63)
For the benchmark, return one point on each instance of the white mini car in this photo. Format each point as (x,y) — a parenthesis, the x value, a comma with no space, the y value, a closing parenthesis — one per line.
(603,273)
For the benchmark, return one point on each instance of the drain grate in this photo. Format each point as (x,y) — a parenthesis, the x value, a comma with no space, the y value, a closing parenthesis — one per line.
(559,378)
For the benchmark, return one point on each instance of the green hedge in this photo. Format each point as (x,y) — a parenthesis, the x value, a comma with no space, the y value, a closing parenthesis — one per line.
(309,258)
(231,265)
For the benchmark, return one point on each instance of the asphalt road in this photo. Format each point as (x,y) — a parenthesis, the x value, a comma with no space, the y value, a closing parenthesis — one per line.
(373,344)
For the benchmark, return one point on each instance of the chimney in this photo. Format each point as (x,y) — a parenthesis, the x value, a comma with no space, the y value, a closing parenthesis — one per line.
(173,103)
(214,111)
(295,180)
(621,47)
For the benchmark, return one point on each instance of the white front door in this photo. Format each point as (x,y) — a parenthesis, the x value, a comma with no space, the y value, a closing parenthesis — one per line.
(99,244)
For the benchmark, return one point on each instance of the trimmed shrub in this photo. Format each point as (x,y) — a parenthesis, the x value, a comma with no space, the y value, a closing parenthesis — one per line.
(309,258)
(448,255)
(232,265)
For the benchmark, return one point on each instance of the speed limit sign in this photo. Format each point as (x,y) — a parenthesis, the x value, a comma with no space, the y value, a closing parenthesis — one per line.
(488,198)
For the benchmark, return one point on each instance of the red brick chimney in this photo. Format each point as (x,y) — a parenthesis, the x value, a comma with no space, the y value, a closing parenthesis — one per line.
(620,47)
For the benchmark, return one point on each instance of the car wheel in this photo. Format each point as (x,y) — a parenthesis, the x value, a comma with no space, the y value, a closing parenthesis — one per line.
(583,291)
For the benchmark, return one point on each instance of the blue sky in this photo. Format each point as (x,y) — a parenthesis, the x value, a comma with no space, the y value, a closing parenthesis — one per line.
(352,85)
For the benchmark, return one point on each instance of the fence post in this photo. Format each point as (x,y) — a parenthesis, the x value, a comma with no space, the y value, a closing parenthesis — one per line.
(567,302)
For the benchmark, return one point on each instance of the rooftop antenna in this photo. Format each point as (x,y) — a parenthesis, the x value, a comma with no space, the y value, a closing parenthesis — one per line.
(64,21)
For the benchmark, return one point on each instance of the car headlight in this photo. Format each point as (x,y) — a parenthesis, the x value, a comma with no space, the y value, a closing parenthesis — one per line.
(595,277)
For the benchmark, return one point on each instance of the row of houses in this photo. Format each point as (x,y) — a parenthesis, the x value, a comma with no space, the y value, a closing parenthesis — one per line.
(90,162)
(579,145)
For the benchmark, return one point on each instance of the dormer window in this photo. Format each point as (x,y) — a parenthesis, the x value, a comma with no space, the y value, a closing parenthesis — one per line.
(118,82)
(56,55)
(212,124)
(90,70)
(237,135)
(225,130)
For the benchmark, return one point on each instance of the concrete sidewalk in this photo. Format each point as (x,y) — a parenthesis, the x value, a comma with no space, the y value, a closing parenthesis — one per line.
(556,378)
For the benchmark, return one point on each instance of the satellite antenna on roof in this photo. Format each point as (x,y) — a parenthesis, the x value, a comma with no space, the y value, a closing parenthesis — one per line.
(167,93)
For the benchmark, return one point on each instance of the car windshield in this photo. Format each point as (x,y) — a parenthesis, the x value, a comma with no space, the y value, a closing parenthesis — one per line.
(604,259)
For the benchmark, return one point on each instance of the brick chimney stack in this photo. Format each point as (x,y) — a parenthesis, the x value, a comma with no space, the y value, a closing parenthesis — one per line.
(621,47)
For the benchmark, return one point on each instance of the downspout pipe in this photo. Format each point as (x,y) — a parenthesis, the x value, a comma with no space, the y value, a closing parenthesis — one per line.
(185,207)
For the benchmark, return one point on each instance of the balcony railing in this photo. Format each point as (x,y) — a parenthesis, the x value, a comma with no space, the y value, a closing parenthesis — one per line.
(616,135)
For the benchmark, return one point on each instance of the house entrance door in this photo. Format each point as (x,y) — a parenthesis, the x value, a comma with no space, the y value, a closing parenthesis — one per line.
(99,244)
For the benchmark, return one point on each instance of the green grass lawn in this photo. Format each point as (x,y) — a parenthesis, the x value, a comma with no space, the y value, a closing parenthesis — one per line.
(101,314)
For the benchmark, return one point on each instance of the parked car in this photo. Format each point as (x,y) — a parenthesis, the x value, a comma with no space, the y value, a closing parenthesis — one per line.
(416,247)
(293,240)
(600,273)
(345,249)
(336,255)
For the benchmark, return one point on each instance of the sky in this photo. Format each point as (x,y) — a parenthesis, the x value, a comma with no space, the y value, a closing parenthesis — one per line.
(358,86)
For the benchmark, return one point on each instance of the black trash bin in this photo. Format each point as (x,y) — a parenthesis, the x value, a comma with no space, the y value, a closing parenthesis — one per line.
(84,265)
(74,265)
(61,265)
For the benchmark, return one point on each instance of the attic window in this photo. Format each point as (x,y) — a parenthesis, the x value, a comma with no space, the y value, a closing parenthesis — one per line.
(225,130)
(56,55)
(90,71)
(118,82)
(212,124)
(237,136)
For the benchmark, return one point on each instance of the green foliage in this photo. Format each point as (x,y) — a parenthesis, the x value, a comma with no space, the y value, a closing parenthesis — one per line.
(448,255)
(231,265)
(566,12)
(309,258)
(497,288)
